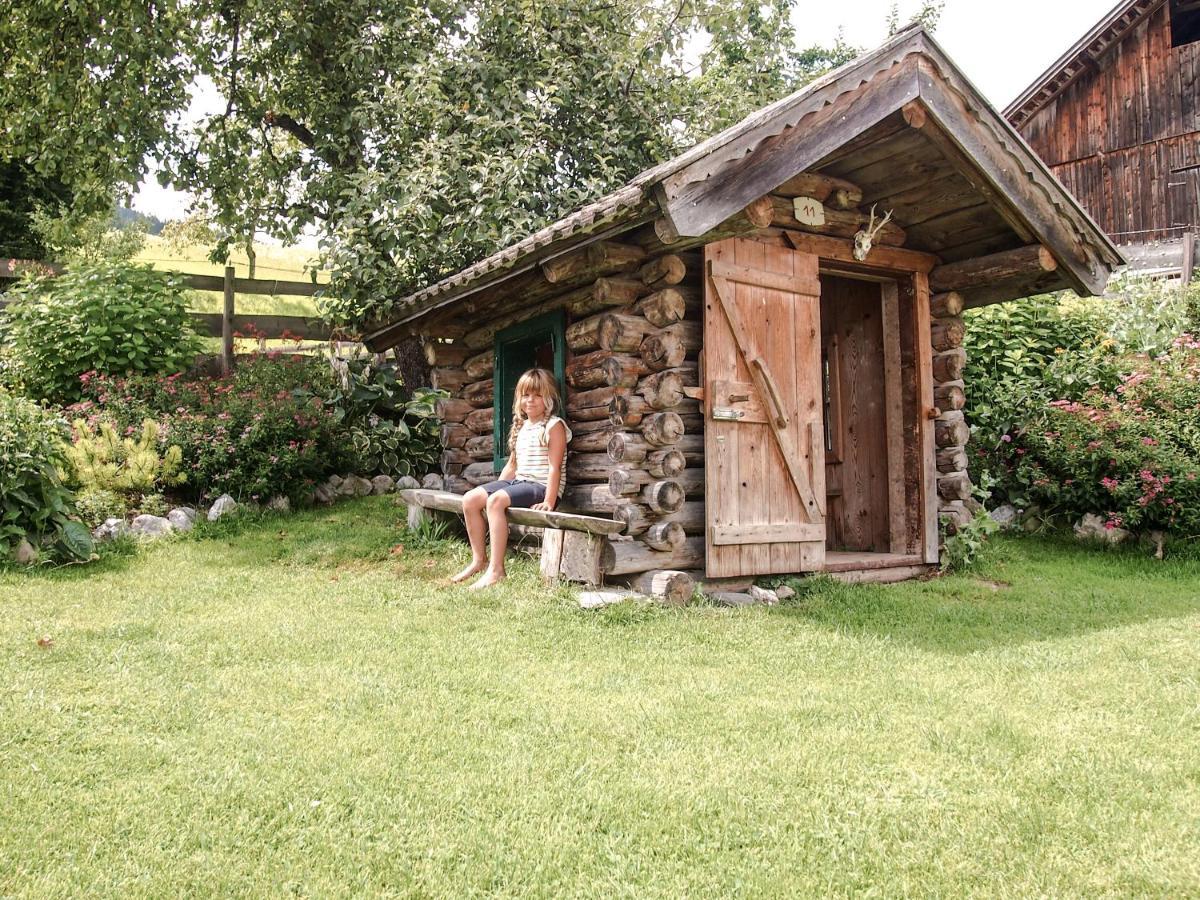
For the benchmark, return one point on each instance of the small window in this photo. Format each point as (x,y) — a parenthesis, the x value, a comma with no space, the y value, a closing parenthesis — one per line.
(540,341)
(1185,22)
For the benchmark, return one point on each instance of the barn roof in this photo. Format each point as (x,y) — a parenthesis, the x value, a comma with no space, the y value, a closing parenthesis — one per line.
(1085,54)
(850,120)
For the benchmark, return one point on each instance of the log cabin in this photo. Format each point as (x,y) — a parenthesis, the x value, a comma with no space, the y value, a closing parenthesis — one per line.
(1117,120)
(760,341)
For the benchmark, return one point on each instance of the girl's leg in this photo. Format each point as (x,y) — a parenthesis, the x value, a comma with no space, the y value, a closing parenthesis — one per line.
(497,506)
(474,502)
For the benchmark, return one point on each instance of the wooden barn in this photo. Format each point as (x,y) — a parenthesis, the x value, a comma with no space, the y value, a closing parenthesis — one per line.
(759,340)
(1117,119)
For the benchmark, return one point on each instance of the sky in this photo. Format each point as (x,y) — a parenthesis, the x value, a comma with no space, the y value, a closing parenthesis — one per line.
(1000,46)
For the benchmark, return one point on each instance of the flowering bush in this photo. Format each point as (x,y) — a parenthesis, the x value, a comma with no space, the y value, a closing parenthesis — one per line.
(1131,453)
(260,432)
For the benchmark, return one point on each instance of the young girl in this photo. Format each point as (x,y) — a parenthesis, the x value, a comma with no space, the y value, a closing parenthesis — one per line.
(532,477)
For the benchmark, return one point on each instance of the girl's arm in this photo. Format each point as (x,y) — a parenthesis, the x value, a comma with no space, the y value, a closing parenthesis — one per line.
(557,450)
(510,468)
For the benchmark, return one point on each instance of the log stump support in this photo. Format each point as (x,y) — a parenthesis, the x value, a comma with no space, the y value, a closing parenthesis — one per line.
(951,433)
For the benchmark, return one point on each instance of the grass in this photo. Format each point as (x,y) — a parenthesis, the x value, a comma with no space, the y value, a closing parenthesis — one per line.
(294,706)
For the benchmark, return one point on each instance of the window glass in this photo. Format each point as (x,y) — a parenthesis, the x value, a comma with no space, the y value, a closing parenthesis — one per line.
(1185,22)
(540,341)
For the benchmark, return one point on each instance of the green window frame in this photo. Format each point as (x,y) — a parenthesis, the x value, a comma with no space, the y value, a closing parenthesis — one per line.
(516,351)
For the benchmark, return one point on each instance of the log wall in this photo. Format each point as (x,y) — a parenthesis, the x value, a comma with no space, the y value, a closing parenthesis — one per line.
(633,337)
(956,506)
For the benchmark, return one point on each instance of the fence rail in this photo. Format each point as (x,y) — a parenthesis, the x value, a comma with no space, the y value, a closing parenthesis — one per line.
(226,324)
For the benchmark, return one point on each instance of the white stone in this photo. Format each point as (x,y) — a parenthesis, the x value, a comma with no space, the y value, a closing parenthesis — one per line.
(783,592)
(221,506)
(151,526)
(279,504)
(324,494)
(26,554)
(359,486)
(408,483)
(433,482)
(763,595)
(333,481)
(1091,528)
(382,484)
(345,486)
(112,528)
(601,599)
(1005,515)
(182,518)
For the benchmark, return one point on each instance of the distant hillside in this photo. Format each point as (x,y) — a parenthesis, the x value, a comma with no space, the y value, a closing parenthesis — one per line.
(124,218)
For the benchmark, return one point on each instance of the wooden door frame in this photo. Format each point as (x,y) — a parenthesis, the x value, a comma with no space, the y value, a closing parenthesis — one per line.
(917,281)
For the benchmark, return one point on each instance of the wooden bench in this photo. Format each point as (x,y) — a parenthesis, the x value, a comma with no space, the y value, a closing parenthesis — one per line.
(572,544)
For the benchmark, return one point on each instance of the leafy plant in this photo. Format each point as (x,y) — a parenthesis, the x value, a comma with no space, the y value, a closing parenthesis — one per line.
(109,318)
(95,505)
(391,430)
(962,549)
(35,504)
(153,505)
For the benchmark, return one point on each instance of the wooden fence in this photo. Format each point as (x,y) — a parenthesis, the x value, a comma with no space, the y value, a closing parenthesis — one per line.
(228,323)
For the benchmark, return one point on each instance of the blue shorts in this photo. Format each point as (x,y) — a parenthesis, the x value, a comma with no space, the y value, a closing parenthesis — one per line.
(520,493)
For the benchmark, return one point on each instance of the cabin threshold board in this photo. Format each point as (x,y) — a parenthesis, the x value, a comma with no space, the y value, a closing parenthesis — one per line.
(853,561)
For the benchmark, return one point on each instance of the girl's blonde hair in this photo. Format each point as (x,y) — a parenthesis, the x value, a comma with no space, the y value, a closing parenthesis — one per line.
(536,381)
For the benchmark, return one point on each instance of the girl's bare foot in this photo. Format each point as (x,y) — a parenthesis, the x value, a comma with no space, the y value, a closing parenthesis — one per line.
(474,568)
(488,579)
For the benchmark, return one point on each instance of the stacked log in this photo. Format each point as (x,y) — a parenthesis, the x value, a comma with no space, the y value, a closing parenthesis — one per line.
(634,369)
(950,429)
(466,415)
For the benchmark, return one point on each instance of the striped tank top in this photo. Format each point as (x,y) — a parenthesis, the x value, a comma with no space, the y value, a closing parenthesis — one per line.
(533,453)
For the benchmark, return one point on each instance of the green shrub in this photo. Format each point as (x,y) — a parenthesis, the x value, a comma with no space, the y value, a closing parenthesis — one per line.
(35,504)
(107,317)
(95,505)
(1131,454)
(1023,356)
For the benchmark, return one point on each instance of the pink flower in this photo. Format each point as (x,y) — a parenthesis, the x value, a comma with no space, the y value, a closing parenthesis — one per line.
(1149,442)
(1109,484)
(1007,438)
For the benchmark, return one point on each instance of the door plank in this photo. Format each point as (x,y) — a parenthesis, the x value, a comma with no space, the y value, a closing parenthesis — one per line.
(753,464)
(929,496)
(767,533)
(894,419)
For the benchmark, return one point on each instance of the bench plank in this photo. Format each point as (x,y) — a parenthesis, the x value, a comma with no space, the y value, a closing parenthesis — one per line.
(451,502)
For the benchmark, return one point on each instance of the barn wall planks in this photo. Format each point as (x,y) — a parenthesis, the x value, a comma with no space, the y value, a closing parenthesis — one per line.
(1118,135)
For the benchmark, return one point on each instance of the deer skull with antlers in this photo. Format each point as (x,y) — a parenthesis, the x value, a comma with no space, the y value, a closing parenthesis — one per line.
(864,238)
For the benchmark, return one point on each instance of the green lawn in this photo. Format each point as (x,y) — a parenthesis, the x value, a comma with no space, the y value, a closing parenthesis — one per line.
(294,709)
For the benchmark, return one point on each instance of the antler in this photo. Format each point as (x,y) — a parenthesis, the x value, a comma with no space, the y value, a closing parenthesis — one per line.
(872,228)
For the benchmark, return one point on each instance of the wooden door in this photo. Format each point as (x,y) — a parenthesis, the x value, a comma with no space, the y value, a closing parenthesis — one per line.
(764,450)
(858,470)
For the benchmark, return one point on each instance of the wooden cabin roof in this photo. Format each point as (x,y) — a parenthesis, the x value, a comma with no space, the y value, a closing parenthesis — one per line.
(901,121)
(1084,55)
